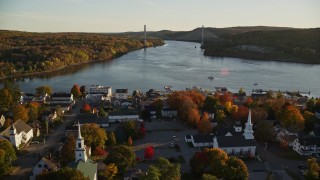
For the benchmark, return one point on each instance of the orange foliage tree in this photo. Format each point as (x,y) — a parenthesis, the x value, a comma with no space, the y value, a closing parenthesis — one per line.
(241,114)
(204,124)
(292,118)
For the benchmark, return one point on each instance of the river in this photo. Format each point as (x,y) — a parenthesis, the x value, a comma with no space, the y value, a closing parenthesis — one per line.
(181,65)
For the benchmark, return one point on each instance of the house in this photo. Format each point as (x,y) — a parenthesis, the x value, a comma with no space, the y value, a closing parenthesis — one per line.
(152,93)
(43,165)
(84,118)
(238,143)
(151,110)
(121,115)
(132,174)
(121,94)
(27,97)
(121,102)
(2,120)
(71,131)
(307,145)
(317,114)
(62,98)
(168,112)
(285,137)
(49,116)
(97,89)
(18,133)
(82,163)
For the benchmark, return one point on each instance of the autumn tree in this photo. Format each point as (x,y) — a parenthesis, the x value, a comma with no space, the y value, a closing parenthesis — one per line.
(193,117)
(6,100)
(130,142)
(264,131)
(7,155)
(102,113)
(309,120)
(110,171)
(130,129)
(111,139)
(249,102)
(67,150)
(20,112)
(122,156)
(313,169)
(292,118)
(204,124)
(75,90)
(241,114)
(236,169)
(149,152)
(220,116)
(93,135)
(43,90)
(63,174)
(209,177)
(33,111)
(216,162)
(86,108)
(158,104)
(211,104)
(163,170)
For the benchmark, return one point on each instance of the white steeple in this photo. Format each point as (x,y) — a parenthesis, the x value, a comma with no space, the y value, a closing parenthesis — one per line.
(248,132)
(80,147)
(215,142)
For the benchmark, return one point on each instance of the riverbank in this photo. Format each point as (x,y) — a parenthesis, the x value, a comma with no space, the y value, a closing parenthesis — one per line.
(26,54)
(67,69)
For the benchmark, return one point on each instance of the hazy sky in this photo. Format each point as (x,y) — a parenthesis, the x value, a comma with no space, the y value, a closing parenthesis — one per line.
(131,15)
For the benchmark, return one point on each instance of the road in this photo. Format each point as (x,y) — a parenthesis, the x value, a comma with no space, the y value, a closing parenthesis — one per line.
(26,161)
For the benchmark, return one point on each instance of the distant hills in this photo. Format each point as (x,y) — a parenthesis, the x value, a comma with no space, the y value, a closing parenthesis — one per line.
(252,42)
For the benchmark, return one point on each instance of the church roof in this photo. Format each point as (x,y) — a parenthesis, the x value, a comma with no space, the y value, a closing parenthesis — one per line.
(202,138)
(88,168)
(234,141)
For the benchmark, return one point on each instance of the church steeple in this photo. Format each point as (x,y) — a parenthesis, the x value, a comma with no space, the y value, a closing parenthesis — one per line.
(80,147)
(248,132)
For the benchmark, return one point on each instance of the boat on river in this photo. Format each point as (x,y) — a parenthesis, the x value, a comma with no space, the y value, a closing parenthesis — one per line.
(210,77)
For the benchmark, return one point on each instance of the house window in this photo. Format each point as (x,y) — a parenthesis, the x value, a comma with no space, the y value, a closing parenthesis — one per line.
(233,151)
(249,149)
(80,155)
(39,166)
(45,166)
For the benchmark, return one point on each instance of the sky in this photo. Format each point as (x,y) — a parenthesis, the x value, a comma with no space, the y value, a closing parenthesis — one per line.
(131,15)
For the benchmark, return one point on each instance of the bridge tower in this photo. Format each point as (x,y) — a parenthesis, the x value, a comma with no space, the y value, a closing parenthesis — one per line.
(145,36)
(202,38)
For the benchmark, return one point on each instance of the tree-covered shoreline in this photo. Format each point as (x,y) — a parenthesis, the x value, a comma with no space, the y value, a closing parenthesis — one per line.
(27,54)
(293,45)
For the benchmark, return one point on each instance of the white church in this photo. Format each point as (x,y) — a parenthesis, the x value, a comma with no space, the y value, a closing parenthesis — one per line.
(233,141)
(82,162)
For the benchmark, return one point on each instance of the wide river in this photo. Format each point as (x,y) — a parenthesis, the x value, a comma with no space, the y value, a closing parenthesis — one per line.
(181,65)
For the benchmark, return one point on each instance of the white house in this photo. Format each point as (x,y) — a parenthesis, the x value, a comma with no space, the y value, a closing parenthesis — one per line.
(239,143)
(307,145)
(121,94)
(44,165)
(97,89)
(167,112)
(82,162)
(62,98)
(18,133)
(120,116)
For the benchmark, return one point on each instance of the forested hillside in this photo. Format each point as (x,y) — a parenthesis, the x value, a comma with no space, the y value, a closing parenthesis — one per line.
(295,45)
(28,53)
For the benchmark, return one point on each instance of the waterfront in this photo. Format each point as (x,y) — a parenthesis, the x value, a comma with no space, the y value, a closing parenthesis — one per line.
(181,65)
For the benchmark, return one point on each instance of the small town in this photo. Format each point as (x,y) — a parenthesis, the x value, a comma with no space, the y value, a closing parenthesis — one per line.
(95,132)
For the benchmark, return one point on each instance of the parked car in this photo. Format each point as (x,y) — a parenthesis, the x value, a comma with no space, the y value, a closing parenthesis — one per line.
(35,142)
